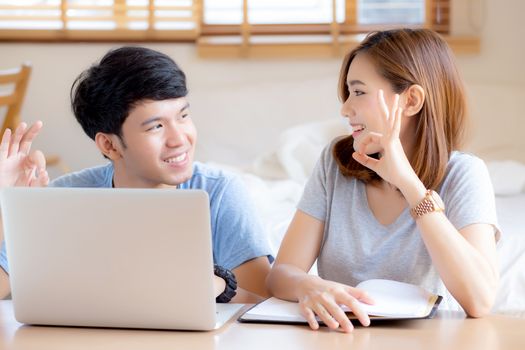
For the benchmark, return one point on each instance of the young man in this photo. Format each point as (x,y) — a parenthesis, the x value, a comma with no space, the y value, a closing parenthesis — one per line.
(133,105)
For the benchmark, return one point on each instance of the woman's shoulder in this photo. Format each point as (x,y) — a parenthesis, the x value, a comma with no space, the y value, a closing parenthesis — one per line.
(465,170)
(336,140)
(328,165)
(326,159)
(460,161)
(328,151)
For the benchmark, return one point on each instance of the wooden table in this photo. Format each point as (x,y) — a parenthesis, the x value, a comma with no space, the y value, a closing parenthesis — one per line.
(448,330)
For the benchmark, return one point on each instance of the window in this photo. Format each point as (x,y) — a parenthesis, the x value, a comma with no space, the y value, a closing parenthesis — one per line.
(26,14)
(363,15)
(99,19)
(314,11)
(391,12)
(272,11)
(221,24)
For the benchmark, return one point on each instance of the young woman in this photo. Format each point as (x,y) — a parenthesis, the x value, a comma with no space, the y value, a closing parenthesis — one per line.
(395,199)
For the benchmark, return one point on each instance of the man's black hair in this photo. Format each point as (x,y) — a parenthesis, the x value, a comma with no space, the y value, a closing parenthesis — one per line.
(103,95)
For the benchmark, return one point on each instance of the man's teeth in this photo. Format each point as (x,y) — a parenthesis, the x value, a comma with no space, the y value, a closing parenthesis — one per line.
(176,159)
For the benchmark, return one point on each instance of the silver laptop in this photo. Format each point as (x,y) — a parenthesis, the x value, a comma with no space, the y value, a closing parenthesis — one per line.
(127,258)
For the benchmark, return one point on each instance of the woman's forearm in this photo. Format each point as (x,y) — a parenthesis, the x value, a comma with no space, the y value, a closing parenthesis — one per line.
(471,277)
(469,272)
(284,280)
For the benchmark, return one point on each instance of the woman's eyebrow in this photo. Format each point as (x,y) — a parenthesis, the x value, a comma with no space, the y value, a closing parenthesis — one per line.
(355,82)
(186,106)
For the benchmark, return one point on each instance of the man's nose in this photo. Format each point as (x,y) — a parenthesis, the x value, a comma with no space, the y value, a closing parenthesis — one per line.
(175,136)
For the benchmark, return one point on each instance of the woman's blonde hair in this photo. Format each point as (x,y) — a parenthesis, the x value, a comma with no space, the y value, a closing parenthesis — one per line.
(405,57)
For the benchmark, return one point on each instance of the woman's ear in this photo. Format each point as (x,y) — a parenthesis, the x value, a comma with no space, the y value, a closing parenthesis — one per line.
(109,145)
(414,98)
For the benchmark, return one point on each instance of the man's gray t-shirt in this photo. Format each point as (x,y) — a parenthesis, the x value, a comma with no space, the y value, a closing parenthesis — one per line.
(356,247)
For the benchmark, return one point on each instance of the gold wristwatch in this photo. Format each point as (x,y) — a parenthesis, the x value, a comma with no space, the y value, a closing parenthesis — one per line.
(431,203)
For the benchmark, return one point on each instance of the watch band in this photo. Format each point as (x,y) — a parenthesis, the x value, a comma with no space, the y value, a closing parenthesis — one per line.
(429,204)
(230,289)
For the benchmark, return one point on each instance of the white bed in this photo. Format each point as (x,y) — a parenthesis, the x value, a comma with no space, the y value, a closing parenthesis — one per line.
(275,181)
(511,250)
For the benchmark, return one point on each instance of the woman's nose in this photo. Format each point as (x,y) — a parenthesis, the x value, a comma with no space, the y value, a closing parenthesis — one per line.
(346,108)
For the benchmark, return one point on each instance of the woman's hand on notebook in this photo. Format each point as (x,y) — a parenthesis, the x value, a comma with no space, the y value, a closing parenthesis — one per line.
(318,297)
(18,165)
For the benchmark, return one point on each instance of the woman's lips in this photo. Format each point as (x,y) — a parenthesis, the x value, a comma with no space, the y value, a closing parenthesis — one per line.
(357,129)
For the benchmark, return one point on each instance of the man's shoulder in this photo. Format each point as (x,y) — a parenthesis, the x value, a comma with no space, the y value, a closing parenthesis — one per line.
(98,176)
(209,177)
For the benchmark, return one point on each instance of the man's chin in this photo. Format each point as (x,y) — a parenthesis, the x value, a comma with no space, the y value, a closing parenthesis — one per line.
(179,178)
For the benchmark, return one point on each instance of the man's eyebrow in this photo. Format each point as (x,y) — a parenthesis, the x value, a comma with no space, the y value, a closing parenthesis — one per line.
(150,120)
(355,82)
(156,118)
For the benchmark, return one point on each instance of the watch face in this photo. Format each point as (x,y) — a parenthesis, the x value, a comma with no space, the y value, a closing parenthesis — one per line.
(438,200)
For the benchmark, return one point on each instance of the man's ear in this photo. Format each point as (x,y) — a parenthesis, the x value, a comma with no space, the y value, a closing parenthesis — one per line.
(414,98)
(109,144)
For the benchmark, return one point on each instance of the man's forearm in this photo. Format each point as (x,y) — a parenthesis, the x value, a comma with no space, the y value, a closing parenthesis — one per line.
(5,286)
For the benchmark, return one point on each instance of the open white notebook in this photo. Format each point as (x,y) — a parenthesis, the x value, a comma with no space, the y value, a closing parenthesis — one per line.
(393,300)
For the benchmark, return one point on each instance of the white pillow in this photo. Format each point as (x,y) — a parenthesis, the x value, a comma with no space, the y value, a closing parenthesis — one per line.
(511,252)
(508,177)
(299,149)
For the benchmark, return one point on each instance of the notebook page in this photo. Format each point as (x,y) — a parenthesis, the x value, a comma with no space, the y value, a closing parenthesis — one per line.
(396,299)
(275,309)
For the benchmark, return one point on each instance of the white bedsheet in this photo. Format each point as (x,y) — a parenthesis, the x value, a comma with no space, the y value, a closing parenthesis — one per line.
(511,252)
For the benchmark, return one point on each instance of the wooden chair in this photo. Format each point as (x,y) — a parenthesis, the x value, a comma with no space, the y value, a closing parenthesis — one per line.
(19,78)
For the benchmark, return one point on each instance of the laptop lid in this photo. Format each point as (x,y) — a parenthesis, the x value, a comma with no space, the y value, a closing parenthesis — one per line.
(138,258)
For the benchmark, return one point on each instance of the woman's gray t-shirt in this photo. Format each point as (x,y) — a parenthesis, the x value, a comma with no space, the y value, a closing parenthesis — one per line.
(356,247)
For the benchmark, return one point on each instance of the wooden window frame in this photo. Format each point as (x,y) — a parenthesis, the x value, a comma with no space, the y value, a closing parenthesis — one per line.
(327,39)
(120,33)
(245,39)
(437,18)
